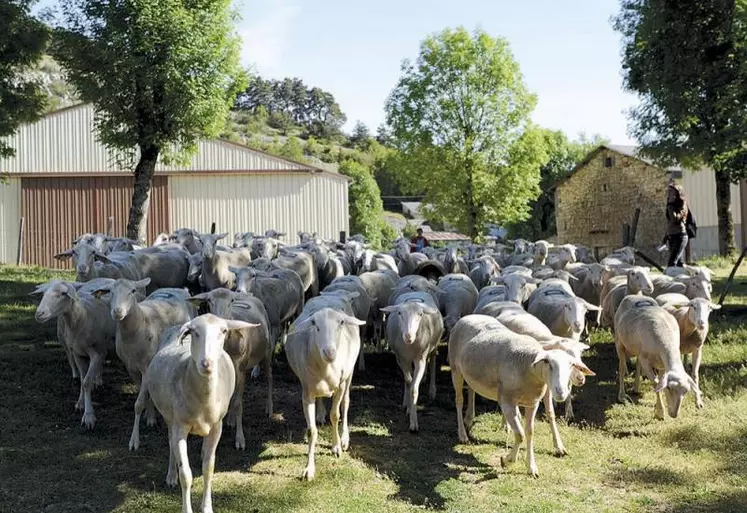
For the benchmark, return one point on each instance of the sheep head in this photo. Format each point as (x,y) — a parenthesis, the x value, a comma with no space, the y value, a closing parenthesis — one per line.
(208,334)
(324,329)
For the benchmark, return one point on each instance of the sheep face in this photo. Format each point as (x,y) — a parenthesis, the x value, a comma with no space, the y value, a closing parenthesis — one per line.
(410,315)
(402,249)
(124,294)
(596,274)
(698,287)
(185,237)
(195,267)
(84,255)
(573,348)
(208,333)
(675,385)
(699,310)
(244,278)
(367,257)
(242,239)
(55,301)
(517,287)
(325,331)
(541,249)
(640,280)
(209,241)
(557,367)
(265,248)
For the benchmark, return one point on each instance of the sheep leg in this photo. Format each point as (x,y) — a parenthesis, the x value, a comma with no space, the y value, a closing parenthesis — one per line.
(414,389)
(185,472)
(334,420)
(172,478)
(569,409)
(622,371)
(407,373)
(142,399)
(530,412)
(82,364)
(361,352)
(209,445)
(321,411)
(150,412)
(432,370)
(267,363)
(309,407)
(550,411)
(637,381)
(345,442)
(695,370)
(240,442)
(659,407)
(511,414)
(89,416)
(458,381)
(470,418)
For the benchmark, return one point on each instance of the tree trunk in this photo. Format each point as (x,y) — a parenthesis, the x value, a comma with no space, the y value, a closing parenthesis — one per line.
(723,209)
(146,167)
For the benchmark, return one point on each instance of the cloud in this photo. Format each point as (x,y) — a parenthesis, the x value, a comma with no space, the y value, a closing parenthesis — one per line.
(265,30)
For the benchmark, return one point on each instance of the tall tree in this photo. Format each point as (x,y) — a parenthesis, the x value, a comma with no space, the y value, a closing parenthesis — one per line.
(564,156)
(460,120)
(687,61)
(22,42)
(161,74)
(366,207)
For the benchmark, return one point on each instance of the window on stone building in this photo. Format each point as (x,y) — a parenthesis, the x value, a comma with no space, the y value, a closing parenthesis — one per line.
(604,187)
(609,161)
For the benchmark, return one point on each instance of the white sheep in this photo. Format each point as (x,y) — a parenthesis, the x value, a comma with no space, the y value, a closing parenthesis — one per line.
(637,282)
(692,318)
(216,263)
(518,286)
(457,298)
(515,371)
(322,350)
(191,388)
(414,327)
(561,311)
(647,331)
(139,325)
(484,269)
(88,330)
(247,348)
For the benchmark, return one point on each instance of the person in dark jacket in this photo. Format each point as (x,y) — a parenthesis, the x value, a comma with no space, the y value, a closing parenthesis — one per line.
(677,216)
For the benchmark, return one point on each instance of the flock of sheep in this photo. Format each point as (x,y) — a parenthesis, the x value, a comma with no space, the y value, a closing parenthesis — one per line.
(514,319)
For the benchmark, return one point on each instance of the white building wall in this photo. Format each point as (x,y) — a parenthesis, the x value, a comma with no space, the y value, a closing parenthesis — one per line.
(10,217)
(287,202)
(700,188)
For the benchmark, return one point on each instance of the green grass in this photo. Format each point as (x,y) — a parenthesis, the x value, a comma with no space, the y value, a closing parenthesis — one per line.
(620,458)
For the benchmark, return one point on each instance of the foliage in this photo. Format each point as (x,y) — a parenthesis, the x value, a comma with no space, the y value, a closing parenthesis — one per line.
(364,197)
(292,149)
(564,156)
(161,74)
(22,42)
(687,61)
(290,103)
(361,136)
(460,118)
(52,81)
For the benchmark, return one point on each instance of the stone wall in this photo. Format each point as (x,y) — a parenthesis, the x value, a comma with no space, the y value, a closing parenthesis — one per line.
(592,205)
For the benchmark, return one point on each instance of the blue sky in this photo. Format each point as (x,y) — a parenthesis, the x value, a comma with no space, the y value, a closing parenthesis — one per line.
(567,50)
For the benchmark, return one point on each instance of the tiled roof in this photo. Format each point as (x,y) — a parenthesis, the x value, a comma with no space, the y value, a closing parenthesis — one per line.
(444,236)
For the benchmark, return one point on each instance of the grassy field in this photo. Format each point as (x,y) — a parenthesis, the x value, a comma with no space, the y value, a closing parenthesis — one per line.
(620,458)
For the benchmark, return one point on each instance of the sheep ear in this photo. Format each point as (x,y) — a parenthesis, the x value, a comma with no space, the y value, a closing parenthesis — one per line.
(198,299)
(715,306)
(240,325)
(663,382)
(430,310)
(234,270)
(389,309)
(581,367)
(98,294)
(590,307)
(542,356)
(40,289)
(221,236)
(534,281)
(98,257)
(142,283)
(64,255)
(183,332)
(353,320)
(572,277)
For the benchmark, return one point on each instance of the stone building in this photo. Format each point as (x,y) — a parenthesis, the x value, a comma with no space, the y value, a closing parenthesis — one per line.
(603,191)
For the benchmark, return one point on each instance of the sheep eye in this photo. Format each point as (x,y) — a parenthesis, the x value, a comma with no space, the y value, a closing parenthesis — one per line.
(133,291)
(313,323)
(342,322)
(224,331)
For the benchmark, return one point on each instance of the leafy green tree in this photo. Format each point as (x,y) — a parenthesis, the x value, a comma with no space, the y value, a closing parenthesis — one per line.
(161,74)
(687,61)
(564,156)
(460,118)
(361,136)
(292,149)
(365,207)
(22,42)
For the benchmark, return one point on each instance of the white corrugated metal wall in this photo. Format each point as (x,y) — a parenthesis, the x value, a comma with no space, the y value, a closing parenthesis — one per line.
(10,216)
(700,188)
(65,142)
(288,202)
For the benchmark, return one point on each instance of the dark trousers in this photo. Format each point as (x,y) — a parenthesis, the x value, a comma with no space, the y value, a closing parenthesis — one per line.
(677,245)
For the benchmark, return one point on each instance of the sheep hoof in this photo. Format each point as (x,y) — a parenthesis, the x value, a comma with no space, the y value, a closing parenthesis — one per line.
(624,399)
(337,451)
(560,452)
(150,421)
(172,481)
(255,372)
(240,442)
(79,405)
(699,403)
(504,463)
(345,441)
(88,420)
(308,474)
(534,472)
(414,429)
(463,439)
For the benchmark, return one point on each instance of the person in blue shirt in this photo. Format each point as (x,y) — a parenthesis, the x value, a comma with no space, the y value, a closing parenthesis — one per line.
(418,242)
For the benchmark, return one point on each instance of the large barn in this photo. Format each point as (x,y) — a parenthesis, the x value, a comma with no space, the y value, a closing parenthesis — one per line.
(604,190)
(63,182)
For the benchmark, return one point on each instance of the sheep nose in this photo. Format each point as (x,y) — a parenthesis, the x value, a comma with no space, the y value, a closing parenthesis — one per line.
(206,364)
(81,269)
(118,313)
(577,326)
(408,338)
(329,354)
(701,325)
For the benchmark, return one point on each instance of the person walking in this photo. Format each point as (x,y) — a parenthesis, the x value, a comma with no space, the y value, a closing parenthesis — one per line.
(678,215)
(418,242)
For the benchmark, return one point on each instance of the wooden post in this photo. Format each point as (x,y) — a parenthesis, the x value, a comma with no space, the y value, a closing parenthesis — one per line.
(343,237)
(626,234)
(19,256)
(110,226)
(634,226)
(650,261)
(731,277)
(212,228)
